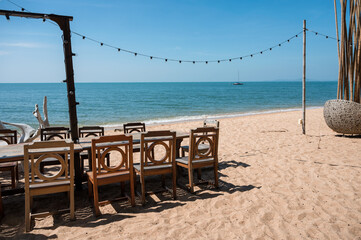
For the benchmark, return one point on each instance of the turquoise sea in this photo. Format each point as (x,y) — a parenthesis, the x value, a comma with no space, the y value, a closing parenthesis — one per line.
(116,103)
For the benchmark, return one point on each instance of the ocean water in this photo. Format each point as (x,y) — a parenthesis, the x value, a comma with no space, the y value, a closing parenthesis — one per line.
(117,103)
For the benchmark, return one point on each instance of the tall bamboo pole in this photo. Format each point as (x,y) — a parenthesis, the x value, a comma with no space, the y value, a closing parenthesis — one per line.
(304,80)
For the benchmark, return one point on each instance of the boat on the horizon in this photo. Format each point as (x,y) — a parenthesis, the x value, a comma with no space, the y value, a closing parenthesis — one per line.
(238,83)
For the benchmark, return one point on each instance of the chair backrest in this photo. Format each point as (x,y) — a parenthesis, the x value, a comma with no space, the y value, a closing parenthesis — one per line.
(119,149)
(88,131)
(36,152)
(134,127)
(204,135)
(148,152)
(210,123)
(52,133)
(8,136)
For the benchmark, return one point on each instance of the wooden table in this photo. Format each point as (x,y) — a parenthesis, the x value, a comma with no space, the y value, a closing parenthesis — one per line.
(15,152)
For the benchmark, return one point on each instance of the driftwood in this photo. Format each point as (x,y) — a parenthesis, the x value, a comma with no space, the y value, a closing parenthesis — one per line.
(27,133)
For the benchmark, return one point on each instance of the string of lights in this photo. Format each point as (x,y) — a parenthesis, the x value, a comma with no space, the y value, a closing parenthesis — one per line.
(151,57)
(320,34)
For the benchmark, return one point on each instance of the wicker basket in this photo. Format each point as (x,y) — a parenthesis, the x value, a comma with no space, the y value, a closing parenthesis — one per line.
(343,116)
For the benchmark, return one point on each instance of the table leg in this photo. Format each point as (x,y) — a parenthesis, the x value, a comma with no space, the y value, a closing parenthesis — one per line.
(78,172)
(178,147)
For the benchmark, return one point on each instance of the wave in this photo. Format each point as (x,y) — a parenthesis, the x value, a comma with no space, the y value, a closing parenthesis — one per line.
(210,116)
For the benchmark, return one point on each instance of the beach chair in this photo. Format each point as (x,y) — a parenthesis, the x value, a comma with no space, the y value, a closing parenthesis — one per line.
(198,158)
(37,183)
(202,147)
(103,174)
(10,137)
(150,166)
(90,131)
(52,133)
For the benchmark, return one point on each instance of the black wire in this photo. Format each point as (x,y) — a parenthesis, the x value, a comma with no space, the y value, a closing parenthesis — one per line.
(179,60)
(327,36)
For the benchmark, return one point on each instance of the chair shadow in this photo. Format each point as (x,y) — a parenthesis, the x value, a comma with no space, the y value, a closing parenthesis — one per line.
(84,211)
(232,163)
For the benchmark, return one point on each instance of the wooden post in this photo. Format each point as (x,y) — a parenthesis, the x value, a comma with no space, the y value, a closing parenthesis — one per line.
(68,60)
(304,80)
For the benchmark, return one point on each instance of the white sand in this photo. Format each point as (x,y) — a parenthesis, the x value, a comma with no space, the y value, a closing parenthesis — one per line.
(275,183)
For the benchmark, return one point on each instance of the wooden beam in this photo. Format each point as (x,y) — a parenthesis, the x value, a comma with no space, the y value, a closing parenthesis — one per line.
(32,15)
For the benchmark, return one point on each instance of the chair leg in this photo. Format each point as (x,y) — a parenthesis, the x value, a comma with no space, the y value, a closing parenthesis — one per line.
(132,190)
(72,205)
(17,172)
(27,213)
(13,185)
(183,152)
(174,184)
(96,200)
(190,176)
(90,189)
(199,173)
(163,180)
(122,189)
(216,175)
(142,183)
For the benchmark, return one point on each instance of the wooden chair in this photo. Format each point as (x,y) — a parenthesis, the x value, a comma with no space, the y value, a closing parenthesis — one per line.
(197,158)
(133,128)
(37,183)
(149,165)
(103,174)
(90,131)
(52,133)
(10,137)
(202,147)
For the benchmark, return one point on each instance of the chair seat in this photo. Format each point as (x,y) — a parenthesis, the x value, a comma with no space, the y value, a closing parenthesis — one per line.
(8,165)
(185,160)
(117,174)
(153,167)
(201,147)
(48,184)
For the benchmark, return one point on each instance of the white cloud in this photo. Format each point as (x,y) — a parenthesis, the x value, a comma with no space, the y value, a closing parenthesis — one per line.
(24,45)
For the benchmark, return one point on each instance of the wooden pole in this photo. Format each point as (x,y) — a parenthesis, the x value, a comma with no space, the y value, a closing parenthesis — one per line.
(304,80)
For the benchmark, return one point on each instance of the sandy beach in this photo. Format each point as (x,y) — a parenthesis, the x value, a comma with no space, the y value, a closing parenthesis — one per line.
(275,183)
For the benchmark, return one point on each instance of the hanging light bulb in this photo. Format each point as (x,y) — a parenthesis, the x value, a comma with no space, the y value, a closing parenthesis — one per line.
(218,61)
(118,49)
(83,37)
(135,54)
(151,57)
(101,44)
(180,61)
(194,62)
(206,62)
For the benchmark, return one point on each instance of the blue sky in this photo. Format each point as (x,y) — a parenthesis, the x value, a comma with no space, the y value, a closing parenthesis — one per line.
(31,50)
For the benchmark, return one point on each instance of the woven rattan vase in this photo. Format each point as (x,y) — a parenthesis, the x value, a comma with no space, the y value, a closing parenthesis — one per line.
(343,116)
